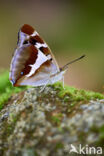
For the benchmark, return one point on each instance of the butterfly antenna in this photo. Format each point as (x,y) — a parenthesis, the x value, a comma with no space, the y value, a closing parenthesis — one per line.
(66,65)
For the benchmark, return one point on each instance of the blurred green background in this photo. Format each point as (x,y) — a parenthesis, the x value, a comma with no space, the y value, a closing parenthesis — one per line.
(71,28)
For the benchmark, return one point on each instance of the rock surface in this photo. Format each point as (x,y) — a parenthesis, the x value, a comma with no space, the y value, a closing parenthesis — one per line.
(44,124)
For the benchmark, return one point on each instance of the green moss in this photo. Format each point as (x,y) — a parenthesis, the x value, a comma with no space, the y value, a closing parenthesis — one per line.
(13,117)
(59,146)
(3,99)
(56,119)
(6,88)
(100,132)
(73,94)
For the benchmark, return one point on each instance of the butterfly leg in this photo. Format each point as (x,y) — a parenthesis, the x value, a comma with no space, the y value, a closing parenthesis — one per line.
(63,82)
(42,89)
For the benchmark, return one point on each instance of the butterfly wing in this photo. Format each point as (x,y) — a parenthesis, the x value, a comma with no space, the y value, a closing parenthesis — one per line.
(39,78)
(33,61)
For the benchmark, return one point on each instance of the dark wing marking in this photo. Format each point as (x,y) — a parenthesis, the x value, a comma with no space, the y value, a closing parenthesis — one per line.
(23,57)
(27,29)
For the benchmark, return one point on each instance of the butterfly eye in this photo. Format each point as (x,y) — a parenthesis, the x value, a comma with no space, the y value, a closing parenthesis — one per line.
(25,42)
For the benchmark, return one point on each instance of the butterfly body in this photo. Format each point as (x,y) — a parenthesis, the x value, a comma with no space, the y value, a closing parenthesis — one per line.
(33,63)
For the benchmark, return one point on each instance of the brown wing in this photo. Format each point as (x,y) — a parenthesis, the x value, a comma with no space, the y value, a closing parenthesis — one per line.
(39,43)
(32,61)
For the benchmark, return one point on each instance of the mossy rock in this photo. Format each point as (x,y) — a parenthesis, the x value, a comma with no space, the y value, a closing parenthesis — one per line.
(35,123)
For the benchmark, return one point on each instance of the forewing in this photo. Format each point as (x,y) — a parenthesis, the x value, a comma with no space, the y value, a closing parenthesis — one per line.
(38,42)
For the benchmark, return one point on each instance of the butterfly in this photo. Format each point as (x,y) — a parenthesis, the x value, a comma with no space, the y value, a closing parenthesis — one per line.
(33,63)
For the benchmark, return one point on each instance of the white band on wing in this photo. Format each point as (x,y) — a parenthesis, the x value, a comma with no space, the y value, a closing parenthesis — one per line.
(49,57)
(38,45)
(35,33)
(40,60)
